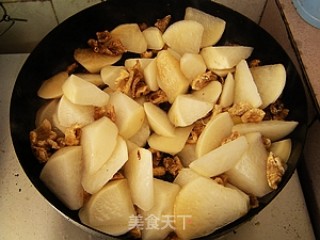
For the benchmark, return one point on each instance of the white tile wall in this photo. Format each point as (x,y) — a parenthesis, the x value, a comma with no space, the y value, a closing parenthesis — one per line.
(44,15)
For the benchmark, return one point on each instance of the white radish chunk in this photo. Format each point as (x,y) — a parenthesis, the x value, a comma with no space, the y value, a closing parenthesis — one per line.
(209,93)
(153,37)
(151,75)
(185,176)
(110,209)
(179,34)
(192,65)
(282,149)
(213,26)
(112,74)
(52,87)
(171,80)
(158,120)
(225,57)
(164,197)
(187,154)
(273,129)
(47,111)
(245,88)
(220,159)
(218,128)
(94,78)
(131,37)
(92,61)
(186,109)
(171,145)
(82,92)
(141,137)
(270,81)
(227,95)
(92,183)
(62,175)
(202,206)
(98,140)
(130,114)
(249,174)
(69,114)
(139,172)
(131,62)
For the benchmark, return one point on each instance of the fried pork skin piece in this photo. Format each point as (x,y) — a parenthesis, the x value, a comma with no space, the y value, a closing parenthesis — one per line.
(275,170)
(106,44)
(44,141)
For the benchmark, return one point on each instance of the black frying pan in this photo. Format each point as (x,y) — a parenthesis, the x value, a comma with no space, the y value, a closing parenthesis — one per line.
(55,53)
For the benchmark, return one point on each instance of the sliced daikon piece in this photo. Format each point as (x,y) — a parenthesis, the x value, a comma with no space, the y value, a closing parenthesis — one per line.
(220,159)
(141,137)
(270,81)
(282,149)
(171,145)
(164,197)
(209,93)
(131,37)
(218,128)
(110,209)
(158,120)
(82,92)
(185,176)
(153,36)
(227,95)
(94,78)
(62,175)
(171,79)
(151,75)
(139,172)
(178,36)
(192,65)
(92,183)
(245,88)
(202,206)
(249,174)
(112,74)
(47,111)
(98,140)
(273,129)
(130,114)
(69,113)
(131,62)
(187,108)
(93,61)
(213,26)
(225,57)
(52,87)
(187,154)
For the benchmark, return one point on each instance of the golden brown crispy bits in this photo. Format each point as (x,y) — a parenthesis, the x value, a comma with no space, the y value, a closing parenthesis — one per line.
(106,44)
(136,233)
(133,85)
(172,165)
(72,135)
(105,111)
(266,142)
(275,170)
(203,80)
(44,141)
(157,97)
(163,23)
(254,202)
(233,136)
(255,63)
(276,111)
(253,115)
(238,109)
(221,179)
(197,129)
